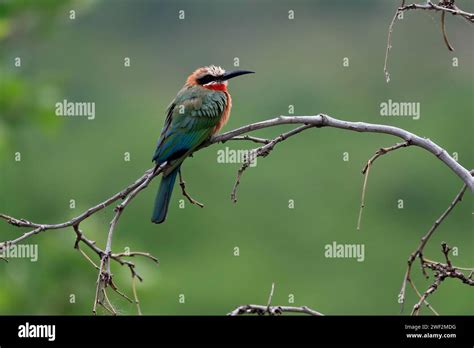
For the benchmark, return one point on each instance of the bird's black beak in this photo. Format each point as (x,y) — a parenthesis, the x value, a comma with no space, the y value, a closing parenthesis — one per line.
(231,74)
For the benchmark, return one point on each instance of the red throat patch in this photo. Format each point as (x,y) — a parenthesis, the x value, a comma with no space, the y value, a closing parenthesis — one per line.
(217,87)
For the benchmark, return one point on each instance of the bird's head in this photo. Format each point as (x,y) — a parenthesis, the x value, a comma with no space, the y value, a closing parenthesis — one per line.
(213,77)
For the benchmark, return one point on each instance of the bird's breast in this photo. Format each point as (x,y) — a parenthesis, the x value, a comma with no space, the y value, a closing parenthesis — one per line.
(225,115)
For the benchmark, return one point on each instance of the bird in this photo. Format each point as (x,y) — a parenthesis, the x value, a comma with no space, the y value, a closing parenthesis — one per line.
(200,109)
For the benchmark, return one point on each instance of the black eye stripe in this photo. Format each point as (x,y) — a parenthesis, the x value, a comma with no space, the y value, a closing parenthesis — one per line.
(206,79)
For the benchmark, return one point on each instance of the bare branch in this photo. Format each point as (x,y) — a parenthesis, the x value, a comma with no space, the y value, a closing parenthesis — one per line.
(251,138)
(38,228)
(271,310)
(442,271)
(105,277)
(426,263)
(445,6)
(323,120)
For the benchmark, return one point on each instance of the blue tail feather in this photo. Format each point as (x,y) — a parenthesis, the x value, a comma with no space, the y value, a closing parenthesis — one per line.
(163,197)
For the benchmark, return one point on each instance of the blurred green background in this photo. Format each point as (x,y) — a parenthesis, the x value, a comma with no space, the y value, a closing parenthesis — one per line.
(298,62)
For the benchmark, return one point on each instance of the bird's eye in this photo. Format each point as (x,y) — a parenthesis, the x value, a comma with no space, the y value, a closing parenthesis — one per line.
(206,79)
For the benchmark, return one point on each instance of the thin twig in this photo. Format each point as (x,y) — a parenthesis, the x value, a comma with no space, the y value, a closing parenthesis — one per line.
(389,45)
(107,301)
(270,297)
(443,29)
(120,293)
(98,288)
(135,296)
(380,152)
(182,183)
(136,253)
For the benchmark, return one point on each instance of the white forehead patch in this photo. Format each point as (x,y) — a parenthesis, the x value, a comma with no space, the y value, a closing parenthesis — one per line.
(215,70)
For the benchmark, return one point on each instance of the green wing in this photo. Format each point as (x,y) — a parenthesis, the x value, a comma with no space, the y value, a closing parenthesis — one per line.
(190,120)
